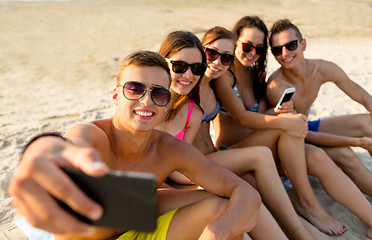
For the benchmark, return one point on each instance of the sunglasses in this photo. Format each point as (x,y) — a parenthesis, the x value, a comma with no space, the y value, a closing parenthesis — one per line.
(290,46)
(197,69)
(226,59)
(248,47)
(136,90)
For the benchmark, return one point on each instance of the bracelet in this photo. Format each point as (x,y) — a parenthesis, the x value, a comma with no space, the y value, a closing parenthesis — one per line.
(55,134)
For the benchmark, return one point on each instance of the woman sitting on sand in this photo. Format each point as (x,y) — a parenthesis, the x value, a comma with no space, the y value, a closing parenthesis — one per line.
(244,123)
(184,46)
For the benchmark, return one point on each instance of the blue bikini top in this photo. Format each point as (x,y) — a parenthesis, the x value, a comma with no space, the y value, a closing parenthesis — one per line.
(213,114)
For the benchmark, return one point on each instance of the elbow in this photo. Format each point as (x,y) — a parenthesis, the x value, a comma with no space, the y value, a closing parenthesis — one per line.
(239,119)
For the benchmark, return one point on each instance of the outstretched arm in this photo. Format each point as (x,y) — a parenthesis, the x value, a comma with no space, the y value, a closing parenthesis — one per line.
(335,74)
(330,140)
(39,179)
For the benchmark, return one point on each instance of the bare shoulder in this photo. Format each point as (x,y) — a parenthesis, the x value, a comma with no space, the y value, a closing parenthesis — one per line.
(227,77)
(197,112)
(274,78)
(172,149)
(90,133)
(328,71)
(276,83)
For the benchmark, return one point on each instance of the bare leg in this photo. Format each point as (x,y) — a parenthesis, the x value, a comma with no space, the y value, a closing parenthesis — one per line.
(296,169)
(170,199)
(315,233)
(338,185)
(358,125)
(266,227)
(260,162)
(190,221)
(291,152)
(349,162)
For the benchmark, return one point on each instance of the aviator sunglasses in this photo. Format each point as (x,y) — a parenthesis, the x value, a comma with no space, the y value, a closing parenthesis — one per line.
(248,47)
(197,69)
(226,59)
(290,46)
(136,90)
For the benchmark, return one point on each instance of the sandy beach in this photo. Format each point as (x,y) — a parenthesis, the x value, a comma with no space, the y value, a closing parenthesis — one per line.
(59,60)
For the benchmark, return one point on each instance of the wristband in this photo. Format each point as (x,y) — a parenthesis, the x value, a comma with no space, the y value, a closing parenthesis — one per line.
(46,134)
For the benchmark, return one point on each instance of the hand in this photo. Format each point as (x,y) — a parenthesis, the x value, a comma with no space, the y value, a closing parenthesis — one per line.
(286,107)
(366,143)
(39,177)
(295,124)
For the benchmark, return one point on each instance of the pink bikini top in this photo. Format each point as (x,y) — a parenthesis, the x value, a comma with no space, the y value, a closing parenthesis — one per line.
(182,133)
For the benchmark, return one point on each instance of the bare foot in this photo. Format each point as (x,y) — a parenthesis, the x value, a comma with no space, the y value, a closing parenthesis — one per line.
(319,217)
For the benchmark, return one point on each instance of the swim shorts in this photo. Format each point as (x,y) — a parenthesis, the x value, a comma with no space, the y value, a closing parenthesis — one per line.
(159,233)
(313,125)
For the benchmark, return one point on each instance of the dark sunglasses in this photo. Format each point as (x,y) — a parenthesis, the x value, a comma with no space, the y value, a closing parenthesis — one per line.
(197,69)
(136,90)
(248,47)
(290,46)
(226,59)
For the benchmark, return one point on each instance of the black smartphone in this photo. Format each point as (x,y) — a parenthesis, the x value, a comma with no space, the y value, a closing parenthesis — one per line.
(286,96)
(129,199)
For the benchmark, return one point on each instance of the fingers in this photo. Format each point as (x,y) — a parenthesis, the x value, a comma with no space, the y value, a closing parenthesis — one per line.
(42,211)
(39,179)
(303,117)
(85,159)
(59,185)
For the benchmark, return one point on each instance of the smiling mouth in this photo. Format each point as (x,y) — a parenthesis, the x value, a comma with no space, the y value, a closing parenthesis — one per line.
(185,83)
(144,113)
(288,60)
(214,69)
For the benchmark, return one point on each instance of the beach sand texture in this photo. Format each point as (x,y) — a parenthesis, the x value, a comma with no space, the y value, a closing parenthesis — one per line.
(59,60)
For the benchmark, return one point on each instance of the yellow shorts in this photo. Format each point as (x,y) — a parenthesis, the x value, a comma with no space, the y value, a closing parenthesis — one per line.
(160,232)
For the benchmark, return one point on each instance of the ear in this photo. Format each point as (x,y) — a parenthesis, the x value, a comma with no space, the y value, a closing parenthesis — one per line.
(303,44)
(115,96)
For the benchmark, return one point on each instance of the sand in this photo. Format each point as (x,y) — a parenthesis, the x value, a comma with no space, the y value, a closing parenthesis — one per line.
(58,62)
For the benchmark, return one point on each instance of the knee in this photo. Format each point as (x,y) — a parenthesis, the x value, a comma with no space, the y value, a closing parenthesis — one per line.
(318,161)
(366,126)
(346,158)
(215,206)
(264,157)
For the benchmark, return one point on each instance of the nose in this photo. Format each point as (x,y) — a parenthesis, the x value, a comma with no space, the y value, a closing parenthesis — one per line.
(188,73)
(253,51)
(285,51)
(146,99)
(218,60)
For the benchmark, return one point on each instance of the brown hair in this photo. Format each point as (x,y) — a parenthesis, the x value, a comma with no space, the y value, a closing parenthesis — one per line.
(174,42)
(144,58)
(259,67)
(282,25)
(217,33)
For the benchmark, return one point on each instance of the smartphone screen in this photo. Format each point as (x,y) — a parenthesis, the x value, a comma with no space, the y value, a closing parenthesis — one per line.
(286,96)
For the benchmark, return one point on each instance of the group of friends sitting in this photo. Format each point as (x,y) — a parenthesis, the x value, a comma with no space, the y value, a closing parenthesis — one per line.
(225,187)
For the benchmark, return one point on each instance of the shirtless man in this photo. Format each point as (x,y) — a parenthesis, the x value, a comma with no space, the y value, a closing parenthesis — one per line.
(337,133)
(128,142)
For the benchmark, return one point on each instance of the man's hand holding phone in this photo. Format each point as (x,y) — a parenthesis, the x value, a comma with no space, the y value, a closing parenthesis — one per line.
(40,172)
(285,105)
